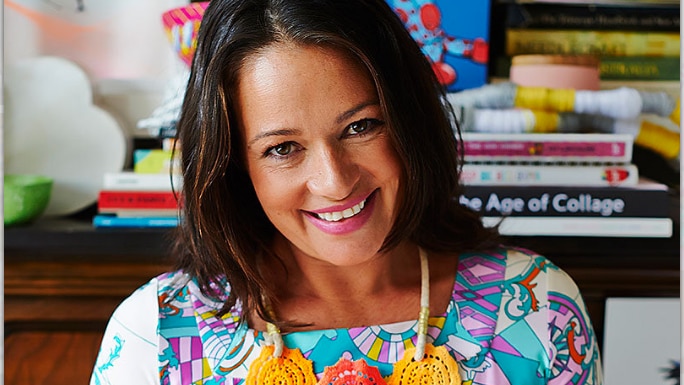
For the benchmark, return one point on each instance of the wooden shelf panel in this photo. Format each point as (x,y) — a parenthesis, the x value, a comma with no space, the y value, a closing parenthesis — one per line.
(30,357)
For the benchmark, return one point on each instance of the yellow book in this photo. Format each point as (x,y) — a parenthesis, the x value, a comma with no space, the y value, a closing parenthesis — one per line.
(601,43)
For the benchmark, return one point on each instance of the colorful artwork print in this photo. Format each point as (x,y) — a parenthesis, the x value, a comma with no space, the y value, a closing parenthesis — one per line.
(453,35)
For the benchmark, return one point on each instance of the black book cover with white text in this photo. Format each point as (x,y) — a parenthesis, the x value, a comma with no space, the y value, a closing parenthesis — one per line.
(646,200)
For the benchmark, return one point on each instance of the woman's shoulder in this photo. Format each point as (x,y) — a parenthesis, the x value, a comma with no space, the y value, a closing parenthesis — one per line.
(530,307)
(511,263)
(175,293)
(178,290)
(556,279)
(508,256)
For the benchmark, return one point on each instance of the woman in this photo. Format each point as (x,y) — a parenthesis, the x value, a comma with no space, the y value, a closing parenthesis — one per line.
(321,238)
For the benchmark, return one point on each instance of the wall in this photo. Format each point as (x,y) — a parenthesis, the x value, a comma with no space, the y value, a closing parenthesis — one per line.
(120,44)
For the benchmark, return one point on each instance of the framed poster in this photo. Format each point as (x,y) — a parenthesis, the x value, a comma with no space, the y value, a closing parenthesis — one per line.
(453,34)
(642,341)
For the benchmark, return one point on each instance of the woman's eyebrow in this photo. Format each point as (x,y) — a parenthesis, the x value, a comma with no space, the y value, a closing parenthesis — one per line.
(276,132)
(349,113)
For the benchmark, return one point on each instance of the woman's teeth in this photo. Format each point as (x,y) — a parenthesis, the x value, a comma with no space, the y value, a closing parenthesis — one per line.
(339,215)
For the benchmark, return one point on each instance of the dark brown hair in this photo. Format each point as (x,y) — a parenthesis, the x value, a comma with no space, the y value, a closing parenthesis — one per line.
(224,230)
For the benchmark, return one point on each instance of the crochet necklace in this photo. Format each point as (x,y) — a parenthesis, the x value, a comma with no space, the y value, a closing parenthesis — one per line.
(421,364)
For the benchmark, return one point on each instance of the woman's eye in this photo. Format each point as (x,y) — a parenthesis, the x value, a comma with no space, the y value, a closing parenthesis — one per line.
(362,126)
(280,150)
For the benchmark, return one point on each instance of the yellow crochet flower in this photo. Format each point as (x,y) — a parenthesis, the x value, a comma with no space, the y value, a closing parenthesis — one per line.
(291,368)
(436,367)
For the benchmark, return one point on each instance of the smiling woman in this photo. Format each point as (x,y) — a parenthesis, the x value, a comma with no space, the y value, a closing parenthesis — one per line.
(322,239)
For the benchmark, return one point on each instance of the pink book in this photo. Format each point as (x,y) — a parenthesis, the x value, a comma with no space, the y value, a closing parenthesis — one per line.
(608,148)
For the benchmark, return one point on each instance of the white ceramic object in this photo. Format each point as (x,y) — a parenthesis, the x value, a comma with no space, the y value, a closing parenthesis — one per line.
(52,128)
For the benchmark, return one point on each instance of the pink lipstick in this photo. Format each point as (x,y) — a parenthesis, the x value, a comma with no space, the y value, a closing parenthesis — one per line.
(343,219)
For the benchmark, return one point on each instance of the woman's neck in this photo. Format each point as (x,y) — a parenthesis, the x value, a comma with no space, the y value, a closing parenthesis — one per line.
(383,289)
(384,272)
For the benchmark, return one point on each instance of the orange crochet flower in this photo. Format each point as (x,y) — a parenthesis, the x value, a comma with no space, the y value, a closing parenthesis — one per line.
(291,368)
(436,367)
(346,372)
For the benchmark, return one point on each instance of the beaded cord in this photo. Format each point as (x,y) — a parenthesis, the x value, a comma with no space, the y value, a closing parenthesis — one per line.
(273,337)
(424,306)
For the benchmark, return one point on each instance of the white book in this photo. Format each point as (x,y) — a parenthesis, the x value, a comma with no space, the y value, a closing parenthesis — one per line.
(134,181)
(583,226)
(137,213)
(550,174)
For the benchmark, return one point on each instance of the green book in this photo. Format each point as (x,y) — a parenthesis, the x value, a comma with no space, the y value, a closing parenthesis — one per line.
(639,68)
(616,67)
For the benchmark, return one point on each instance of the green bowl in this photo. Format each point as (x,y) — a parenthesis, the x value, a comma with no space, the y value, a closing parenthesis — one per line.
(25,197)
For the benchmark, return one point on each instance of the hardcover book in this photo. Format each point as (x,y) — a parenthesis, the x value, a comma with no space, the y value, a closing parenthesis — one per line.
(136,181)
(630,68)
(596,16)
(622,68)
(646,200)
(103,220)
(521,41)
(112,200)
(141,212)
(582,226)
(454,36)
(549,174)
(551,147)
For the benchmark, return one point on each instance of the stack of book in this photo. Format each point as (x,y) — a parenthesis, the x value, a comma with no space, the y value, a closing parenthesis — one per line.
(146,196)
(635,40)
(562,185)
(134,199)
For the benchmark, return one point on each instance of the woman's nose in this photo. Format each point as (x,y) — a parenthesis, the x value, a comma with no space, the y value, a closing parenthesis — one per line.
(333,174)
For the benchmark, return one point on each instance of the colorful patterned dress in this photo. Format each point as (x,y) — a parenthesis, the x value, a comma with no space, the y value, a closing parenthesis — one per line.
(514,318)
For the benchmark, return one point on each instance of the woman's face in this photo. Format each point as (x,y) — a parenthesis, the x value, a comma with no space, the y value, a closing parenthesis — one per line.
(318,151)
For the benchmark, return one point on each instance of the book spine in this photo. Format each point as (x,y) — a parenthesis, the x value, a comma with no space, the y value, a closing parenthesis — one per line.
(548,147)
(639,68)
(591,42)
(583,227)
(623,68)
(132,181)
(566,201)
(593,17)
(114,221)
(142,212)
(507,174)
(112,200)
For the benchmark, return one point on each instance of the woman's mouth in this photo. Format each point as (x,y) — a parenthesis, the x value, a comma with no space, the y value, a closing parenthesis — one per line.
(335,216)
(343,220)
